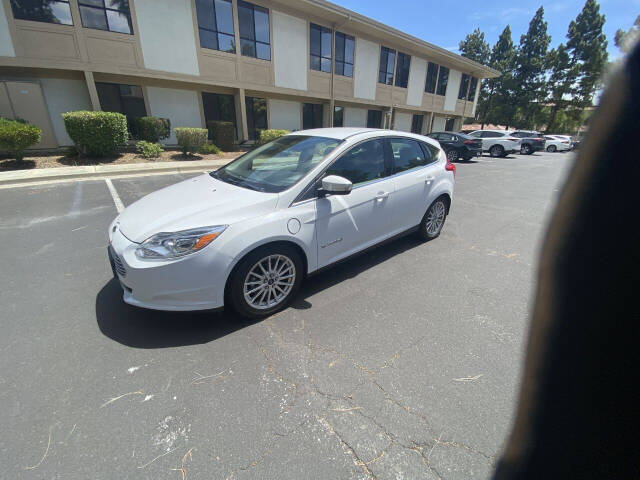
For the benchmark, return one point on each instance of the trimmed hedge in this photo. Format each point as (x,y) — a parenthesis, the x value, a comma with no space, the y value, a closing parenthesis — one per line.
(150,129)
(16,137)
(222,134)
(270,134)
(209,148)
(191,139)
(96,133)
(149,149)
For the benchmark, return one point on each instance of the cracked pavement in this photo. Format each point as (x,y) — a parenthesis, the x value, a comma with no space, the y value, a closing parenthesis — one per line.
(403,363)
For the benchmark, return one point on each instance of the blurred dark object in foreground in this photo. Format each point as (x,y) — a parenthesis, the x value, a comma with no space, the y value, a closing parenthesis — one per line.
(577,415)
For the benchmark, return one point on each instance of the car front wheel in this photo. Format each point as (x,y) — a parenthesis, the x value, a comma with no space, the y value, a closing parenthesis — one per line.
(266,281)
(433,220)
(551,148)
(496,151)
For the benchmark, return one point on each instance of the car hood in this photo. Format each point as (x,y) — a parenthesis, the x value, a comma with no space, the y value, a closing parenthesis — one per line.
(198,202)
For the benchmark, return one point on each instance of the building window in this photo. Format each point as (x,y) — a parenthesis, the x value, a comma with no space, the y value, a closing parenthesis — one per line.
(254,31)
(432,78)
(256,116)
(464,87)
(344,54)
(110,15)
(443,80)
(311,115)
(320,38)
(402,70)
(219,108)
(215,25)
(125,99)
(472,89)
(449,124)
(42,11)
(416,123)
(387,64)
(374,119)
(338,116)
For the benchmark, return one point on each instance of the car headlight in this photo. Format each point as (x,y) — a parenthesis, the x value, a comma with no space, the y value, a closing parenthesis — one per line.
(167,245)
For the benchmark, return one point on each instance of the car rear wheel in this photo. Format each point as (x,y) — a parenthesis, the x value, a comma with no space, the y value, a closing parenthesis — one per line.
(526,149)
(496,151)
(551,148)
(452,155)
(266,281)
(433,220)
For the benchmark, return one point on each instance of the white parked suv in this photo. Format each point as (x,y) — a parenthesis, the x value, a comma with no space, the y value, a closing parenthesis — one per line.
(558,143)
(499,143)
(247,234)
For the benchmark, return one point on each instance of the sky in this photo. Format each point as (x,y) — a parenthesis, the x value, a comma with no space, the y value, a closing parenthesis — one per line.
(446,22)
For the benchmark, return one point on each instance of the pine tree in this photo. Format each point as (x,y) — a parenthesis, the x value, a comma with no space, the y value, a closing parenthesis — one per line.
(475,47)
(529,77)
(559,83)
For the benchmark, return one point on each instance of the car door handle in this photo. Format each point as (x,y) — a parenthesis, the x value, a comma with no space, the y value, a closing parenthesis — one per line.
(429,179)
(382,195)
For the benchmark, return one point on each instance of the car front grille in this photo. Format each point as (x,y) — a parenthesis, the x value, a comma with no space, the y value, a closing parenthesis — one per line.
(118,264)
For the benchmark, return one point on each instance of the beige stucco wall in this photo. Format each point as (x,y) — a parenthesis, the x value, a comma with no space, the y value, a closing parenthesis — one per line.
(355,117)
(63,95)
(290,51)
(438,124)
(365,73)
(179,106)
(6,45)
(417,80)
(165,28)
(285,114)
(402,121)
(453,87)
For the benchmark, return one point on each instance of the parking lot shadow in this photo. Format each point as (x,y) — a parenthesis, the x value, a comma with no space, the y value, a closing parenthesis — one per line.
(142,328)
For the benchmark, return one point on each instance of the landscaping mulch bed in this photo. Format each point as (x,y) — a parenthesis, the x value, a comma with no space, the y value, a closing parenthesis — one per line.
(60,160)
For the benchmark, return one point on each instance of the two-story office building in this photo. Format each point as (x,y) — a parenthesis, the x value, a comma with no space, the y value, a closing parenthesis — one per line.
(291,64)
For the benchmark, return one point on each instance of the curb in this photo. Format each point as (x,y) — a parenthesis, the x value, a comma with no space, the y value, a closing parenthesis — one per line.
(58,174)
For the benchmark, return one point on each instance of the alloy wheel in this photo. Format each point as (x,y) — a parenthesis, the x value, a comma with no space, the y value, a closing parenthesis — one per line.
(452,155)
(435,218)
(269,282)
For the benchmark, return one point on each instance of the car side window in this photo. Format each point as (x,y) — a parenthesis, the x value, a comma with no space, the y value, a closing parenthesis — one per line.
(476,134)
(363,163)
(491,135)
(436,136)
(407,154)
(430,152)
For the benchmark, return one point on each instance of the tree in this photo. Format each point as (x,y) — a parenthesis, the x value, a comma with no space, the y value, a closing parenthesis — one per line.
(495,102)
(625,40)
(475,47)
(559,83)
(529,75)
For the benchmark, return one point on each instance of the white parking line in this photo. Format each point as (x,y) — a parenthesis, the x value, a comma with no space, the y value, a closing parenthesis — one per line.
(114,194)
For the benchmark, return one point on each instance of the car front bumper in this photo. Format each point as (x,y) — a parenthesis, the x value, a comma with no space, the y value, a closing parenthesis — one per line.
(192,282)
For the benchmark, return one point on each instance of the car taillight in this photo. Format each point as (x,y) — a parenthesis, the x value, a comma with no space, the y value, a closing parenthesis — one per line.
(450,167)
(512,139)
(468,142)
(540,139)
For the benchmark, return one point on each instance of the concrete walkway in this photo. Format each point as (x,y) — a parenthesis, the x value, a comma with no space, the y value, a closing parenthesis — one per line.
(87,172)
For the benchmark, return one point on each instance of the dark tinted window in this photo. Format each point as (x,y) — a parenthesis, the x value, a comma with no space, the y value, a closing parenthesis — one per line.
(374,119)
(363,163)
(344,54)
(42,11)
(492,134)
(402,70)
(311,115)
(320,45)
(387,63)
(256,116)
(215,25)
(125,99)
(443,80)
(416,123)
(111,15)
(338,116)
(407,154)
(432,77)
(219,108)
(254,31)
(464,86)
(472,88)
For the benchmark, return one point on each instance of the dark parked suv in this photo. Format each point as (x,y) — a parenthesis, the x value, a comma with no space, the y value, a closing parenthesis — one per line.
(531,141)
(458,145)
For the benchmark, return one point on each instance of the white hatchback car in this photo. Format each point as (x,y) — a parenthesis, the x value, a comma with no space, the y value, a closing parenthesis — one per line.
(247,234)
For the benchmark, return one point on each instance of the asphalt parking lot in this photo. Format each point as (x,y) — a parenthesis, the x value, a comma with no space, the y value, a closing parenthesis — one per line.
(403,363)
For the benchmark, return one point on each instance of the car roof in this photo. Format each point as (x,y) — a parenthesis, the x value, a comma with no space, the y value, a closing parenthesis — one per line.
(342,133)
(491,130)
(461,134)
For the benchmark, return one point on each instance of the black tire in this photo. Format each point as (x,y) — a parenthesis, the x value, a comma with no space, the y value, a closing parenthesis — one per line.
(236,295)
(551,149)
(497,151)
(453,155)
(526,149)
(424,231)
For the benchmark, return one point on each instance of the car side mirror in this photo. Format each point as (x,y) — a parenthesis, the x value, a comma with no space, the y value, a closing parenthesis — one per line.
(335,185)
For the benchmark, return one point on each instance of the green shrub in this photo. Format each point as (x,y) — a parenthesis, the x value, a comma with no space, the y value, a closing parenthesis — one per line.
(191,139)
(16,137)
(150,129)
(222,134)
(270,134)
(96,133)
(149,149)
(209,148)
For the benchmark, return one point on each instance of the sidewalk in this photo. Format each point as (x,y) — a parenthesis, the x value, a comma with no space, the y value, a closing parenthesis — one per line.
(19,178)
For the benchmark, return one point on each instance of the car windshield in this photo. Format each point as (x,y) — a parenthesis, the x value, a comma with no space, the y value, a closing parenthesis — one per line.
(277,165)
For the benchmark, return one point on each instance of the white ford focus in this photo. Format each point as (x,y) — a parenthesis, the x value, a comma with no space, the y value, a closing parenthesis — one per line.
(247,234)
